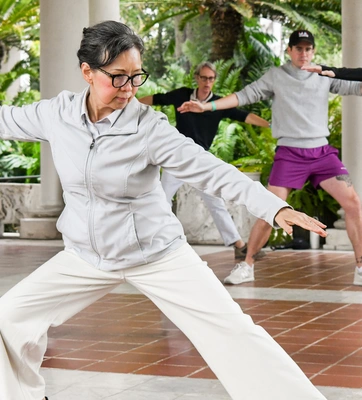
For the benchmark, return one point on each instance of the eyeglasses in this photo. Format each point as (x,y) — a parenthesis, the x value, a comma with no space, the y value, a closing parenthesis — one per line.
(207,78)
(120,80)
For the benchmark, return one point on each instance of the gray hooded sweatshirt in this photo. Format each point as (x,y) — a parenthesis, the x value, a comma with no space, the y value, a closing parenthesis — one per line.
(300,103)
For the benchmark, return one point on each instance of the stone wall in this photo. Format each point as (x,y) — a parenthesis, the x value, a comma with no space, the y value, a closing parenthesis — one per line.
(17,201)
(197,222)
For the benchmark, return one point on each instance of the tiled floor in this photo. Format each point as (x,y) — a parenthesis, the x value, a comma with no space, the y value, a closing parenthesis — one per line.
(122,347)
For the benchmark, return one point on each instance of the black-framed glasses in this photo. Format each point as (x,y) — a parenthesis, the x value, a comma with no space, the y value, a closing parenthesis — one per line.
(120,80)
(207,78)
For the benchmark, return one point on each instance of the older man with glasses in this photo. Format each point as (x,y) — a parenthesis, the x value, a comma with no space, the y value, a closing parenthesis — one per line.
(202,128)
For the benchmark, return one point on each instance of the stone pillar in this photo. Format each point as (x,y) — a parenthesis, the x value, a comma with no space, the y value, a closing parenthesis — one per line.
(61,29)
(60,33)
(351,116)
(352,105)
(100,10)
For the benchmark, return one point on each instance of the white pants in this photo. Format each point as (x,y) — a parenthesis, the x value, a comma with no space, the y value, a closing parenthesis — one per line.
(223,221)
(247,361)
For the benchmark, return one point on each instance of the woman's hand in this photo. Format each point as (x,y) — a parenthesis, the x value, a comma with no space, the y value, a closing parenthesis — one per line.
(286,218)
(193,106)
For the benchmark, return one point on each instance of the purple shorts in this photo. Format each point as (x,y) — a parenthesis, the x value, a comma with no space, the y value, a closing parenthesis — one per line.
(294,166)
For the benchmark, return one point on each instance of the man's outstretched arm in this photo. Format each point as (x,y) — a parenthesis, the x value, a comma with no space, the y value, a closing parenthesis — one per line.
(254,119)
(147,100)
(229,101)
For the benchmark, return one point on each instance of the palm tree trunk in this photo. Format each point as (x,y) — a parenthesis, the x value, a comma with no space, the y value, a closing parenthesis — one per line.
(226,26)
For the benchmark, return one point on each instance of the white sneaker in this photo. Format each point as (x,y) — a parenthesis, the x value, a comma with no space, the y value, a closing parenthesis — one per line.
(242,273)
(357,277)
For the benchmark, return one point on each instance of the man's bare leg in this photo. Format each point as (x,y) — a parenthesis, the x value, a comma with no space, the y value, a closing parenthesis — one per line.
(244,272)
(259,235)
(342,190)
(261,230)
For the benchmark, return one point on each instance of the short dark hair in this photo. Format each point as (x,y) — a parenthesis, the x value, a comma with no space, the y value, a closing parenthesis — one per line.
(104,42)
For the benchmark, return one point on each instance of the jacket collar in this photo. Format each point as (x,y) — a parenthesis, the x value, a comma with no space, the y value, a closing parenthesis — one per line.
(126,123)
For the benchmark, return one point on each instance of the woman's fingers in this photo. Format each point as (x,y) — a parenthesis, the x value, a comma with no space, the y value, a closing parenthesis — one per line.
(287,217)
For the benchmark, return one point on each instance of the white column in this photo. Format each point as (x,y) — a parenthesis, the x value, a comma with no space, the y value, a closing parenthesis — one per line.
(352,105)
(61,24)
(60,34)
(101,10)
(61,27)
(351,117)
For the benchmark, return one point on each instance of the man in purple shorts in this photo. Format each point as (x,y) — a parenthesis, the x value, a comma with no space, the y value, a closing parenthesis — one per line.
(300,117)
(293,166)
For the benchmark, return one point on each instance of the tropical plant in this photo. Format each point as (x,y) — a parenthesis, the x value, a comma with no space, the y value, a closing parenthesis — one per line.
(19,25)
(228,78)
(19,159)
(260,150)
(19,28)
(227,18)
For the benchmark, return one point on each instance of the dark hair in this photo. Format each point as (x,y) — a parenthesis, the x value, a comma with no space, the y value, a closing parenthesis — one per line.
(104,42)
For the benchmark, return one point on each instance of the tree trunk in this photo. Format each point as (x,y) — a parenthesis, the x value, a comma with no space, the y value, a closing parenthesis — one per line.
(180,37)
(226,26)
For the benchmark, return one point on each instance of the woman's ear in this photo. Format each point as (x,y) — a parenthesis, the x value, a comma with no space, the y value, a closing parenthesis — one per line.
(87,72)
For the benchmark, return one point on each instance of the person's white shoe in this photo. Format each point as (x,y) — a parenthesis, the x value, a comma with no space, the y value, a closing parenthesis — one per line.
(241,273)
(357,277)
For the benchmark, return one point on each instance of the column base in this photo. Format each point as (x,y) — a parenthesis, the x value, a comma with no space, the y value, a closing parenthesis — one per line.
(337,239)
(39,228)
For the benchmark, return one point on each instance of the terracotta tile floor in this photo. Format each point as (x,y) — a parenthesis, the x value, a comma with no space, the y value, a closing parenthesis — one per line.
(125,333)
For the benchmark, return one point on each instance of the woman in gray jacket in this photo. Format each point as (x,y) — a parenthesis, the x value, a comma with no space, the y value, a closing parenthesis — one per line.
(117,226)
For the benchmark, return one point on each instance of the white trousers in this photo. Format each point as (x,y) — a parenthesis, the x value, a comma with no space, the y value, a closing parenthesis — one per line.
(223,221)
(247,361)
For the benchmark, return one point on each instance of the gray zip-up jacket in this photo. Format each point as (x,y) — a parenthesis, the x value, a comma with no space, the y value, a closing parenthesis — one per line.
(116,214)
(300,103)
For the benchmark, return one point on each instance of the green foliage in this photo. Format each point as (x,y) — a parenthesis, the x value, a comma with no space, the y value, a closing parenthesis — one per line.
(19,159)
(174,78)
(335,122)
(19,28)
(159,41)
(19,21)
(197,46)
(228,78)
(322,17)
(260,150)
(224,142)
(313,202)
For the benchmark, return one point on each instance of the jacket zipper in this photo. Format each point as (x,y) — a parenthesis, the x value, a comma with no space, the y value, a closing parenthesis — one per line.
(91,198)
